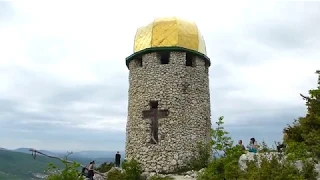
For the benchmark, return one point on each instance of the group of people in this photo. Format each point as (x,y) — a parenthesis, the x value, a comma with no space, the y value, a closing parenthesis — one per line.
(252,147)
(90,167)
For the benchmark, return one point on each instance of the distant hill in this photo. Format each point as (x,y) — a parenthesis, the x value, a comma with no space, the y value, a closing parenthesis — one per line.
(19,164)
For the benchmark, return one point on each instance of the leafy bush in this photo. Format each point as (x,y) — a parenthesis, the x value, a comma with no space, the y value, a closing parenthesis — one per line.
(274,168)
(161,178)
(132,170)
(70,172)
(105,167)
(115,175)
(263,147)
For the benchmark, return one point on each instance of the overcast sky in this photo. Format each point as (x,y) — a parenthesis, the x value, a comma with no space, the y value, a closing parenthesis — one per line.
(64,82)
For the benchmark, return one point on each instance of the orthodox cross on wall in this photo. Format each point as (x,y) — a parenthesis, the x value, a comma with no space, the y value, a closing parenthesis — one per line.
(154,114)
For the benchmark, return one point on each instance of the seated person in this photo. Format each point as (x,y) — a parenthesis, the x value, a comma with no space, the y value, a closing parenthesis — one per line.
(253,147)
(241,145)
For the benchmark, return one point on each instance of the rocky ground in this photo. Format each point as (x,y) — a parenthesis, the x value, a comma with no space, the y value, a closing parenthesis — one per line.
(178,177)
(190,175)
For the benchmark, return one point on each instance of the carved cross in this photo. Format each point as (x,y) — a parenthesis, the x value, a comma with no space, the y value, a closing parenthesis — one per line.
(154,114)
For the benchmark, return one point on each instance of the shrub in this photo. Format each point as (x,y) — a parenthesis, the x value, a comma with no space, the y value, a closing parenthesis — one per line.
(263,147)
(224,167)
(70,172)
(274,168)
(105,167)
(132,170)
(156,177)
(115,175)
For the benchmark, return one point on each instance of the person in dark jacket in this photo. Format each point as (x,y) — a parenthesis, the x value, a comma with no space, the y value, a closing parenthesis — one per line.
(117,159)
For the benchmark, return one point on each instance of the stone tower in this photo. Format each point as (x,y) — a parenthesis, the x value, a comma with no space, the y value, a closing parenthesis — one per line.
(169,101)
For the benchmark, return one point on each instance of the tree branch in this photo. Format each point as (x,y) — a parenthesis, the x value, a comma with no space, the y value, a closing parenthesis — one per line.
(304,97)
(308,98)
(34,152)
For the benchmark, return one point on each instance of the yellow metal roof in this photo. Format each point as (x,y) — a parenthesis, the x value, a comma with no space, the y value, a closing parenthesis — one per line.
(169,32)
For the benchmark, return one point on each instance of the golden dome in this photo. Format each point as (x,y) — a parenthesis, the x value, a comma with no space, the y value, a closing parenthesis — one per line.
(169,32)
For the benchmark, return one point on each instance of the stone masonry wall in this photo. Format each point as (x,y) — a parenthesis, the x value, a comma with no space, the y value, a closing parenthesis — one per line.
(181,89)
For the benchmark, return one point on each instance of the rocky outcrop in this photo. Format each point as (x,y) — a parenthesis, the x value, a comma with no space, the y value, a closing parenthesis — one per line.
(250,157)
(184,92)
(189,175)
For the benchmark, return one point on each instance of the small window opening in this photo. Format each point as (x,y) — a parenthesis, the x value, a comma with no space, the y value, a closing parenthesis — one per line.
(154,104)
(189,59)
(139,62)
(164,57)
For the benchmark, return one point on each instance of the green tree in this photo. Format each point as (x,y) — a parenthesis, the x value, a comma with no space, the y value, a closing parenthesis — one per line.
(306,129)
(220,140)
(70,172)
(227,166)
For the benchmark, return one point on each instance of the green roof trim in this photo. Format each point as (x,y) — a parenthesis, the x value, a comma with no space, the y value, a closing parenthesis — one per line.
(171,48)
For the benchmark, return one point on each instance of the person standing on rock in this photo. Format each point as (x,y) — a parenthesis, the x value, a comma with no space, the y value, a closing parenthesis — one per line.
(117,159)
(91,170)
